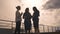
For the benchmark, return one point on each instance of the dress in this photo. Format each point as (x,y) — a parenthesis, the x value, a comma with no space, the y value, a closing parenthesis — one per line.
(27,21)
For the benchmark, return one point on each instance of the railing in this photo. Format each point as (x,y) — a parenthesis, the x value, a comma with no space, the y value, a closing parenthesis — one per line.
(47,28)
(42,28)
(6,23)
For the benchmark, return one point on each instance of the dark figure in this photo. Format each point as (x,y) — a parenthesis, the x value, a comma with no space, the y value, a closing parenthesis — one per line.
(18,20)
(27,21)
(36,19)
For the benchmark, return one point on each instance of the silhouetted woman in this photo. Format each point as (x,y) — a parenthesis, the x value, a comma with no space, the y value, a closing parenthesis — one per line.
(36,19)
(18,20)
(27,20)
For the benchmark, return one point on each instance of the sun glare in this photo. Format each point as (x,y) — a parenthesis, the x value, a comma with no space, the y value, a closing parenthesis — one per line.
(30,4)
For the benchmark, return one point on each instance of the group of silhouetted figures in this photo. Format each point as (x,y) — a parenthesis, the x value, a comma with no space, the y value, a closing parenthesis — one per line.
(27,20)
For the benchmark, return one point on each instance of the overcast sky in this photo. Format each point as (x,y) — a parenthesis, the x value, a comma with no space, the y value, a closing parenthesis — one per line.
(49,11)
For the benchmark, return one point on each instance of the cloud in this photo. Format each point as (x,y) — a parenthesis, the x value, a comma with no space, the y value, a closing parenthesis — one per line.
(52,4)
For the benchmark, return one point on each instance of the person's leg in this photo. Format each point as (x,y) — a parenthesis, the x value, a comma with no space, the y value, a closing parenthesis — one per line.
(29,27)
(25,31)
(35,30)
(15,28)
(38,31)
(15,31)
(19,31)
(35,27)
(19,28)
(29,31)
(38,25)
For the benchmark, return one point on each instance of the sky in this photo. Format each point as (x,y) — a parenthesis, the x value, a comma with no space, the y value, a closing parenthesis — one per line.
(52,4)
(49,11)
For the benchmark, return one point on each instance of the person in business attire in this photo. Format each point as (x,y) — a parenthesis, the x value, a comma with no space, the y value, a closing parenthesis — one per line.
(18,20)
(36,19)
(27,20)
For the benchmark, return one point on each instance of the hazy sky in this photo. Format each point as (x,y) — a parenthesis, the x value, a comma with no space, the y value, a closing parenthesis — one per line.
(48,16)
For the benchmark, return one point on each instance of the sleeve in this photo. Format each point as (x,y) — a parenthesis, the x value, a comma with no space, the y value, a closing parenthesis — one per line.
(38,13)
(23,15)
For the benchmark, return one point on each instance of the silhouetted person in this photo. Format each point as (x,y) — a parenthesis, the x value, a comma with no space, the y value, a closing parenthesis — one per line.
(18,20)
(36,19)
(27,20)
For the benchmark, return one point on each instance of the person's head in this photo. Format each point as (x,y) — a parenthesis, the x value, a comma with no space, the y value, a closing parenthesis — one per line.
(18,7)
(27,10)
(34,9)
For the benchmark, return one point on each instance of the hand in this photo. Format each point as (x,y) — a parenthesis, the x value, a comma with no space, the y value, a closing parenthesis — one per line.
(21,13)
